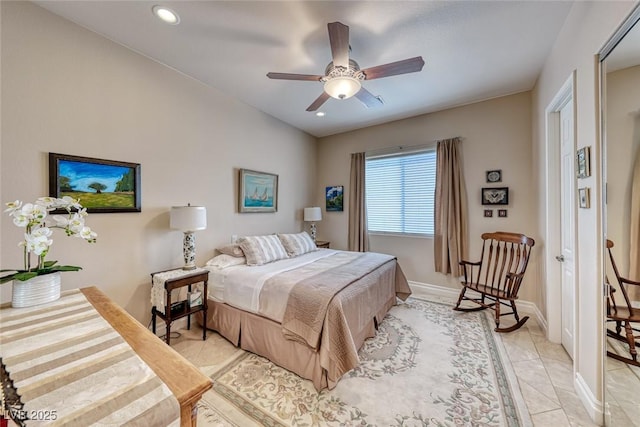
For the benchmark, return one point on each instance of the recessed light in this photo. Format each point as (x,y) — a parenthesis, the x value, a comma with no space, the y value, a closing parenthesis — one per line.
(166,14)
(320,114)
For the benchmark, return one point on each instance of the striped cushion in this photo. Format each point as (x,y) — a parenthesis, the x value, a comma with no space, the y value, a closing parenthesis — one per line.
(262,249)
(233,249)
(297,244)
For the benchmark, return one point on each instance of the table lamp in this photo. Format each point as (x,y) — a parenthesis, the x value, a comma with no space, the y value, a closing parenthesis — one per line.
(312,215)
(188,219)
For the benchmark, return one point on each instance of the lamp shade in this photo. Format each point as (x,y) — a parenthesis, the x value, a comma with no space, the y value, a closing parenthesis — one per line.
(312,214)
(188,218)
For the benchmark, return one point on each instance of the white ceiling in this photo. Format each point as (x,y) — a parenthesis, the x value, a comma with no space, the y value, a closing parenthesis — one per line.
(474,50)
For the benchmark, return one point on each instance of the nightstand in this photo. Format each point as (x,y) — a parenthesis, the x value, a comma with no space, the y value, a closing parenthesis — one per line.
(167,281)
(322,244)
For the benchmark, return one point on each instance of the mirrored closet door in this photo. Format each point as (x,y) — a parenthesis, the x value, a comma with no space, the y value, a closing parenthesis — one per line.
(620,79)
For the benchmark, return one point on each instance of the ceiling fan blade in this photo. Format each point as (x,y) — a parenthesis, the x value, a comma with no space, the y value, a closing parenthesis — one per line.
(405,66)
(339,39)
(288,76)
(368,99)
(319,101)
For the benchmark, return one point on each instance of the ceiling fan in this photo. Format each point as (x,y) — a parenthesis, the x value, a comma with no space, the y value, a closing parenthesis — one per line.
(343,77)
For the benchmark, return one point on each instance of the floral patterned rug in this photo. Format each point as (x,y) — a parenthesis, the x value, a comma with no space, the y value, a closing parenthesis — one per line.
(427,366)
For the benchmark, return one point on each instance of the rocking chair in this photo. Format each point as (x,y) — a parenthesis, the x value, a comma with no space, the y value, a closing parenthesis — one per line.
(498,275)
(623,314)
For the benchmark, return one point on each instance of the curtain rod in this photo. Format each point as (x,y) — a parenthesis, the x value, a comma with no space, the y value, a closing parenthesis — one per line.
(400,148)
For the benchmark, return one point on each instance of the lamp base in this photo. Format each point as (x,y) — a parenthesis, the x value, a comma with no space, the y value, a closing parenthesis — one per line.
(189,251)
(313,232)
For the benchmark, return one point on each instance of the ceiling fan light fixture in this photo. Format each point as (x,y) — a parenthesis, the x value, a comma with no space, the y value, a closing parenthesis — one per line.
(166,15)
(342,87)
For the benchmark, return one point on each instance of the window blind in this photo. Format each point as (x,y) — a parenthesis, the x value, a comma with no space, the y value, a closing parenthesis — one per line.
(400,192)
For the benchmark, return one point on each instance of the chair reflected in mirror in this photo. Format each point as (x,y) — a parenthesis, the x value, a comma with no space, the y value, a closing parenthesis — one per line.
(622,313)
(497,276)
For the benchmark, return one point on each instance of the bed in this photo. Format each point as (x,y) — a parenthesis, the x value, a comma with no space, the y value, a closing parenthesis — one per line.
(307,312)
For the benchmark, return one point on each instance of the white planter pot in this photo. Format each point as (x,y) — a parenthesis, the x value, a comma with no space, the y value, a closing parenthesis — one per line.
(39,290)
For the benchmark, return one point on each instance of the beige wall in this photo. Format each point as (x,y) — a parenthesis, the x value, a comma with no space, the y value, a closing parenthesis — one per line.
(68,90)
(623,142)
(496,135)
(587,28)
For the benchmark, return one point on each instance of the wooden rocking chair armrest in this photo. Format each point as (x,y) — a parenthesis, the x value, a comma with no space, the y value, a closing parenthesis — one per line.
(628,281)
(513,276)
(463,263)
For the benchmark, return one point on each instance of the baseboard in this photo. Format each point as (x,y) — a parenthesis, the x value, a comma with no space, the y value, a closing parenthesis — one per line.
(419,289)
(444,293)
(593,406)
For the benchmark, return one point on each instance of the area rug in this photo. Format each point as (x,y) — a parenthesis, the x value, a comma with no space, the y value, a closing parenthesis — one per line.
(427,366)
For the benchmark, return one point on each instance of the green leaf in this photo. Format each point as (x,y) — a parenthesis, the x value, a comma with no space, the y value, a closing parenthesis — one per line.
(25,276)
(48,264)
(65,268)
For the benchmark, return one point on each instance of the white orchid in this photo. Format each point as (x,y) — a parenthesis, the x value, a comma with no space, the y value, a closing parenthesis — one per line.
(38,241)
(37,237)
(12,206)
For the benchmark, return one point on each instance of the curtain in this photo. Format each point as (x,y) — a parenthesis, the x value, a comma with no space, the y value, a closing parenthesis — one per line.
(634,230)
(450,233)
(358,235)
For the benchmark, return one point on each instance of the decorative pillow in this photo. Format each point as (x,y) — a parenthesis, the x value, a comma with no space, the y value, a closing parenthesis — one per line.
(224,261)
(232,249)
(262,249)
(298,243)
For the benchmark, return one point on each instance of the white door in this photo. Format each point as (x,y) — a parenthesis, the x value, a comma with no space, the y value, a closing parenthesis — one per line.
(567,240)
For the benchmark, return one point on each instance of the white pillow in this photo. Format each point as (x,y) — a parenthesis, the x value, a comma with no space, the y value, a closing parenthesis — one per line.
(232,249)
(262,249)
(224,261)
(298,243)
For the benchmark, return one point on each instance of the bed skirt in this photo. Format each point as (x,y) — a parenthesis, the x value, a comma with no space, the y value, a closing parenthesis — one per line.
(364,304)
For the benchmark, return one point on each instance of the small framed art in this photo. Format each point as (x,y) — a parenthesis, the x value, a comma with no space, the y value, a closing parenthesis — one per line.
(502,213)
(494,176)
(258,191)
(334,196)
(583,162)
(488,213)
(495,196)
(102,186)
(584,198)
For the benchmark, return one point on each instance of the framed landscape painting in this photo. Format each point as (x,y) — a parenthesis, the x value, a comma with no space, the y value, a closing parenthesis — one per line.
(258,191)
(334,197)
(101,185)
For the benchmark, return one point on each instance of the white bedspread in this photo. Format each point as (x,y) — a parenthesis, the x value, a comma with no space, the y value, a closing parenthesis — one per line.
(243,284)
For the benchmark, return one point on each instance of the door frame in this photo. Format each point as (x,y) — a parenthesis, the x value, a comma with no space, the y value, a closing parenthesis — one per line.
(553,272)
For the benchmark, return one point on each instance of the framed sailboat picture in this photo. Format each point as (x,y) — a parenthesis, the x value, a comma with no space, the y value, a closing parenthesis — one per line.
(258,191)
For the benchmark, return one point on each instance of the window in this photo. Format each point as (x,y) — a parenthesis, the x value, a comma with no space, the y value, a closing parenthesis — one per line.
(400,190)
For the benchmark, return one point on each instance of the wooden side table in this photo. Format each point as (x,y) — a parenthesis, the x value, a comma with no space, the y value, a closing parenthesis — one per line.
(322,244)
(174,279)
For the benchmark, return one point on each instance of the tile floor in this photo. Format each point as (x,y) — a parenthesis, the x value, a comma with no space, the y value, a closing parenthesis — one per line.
(543,369)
